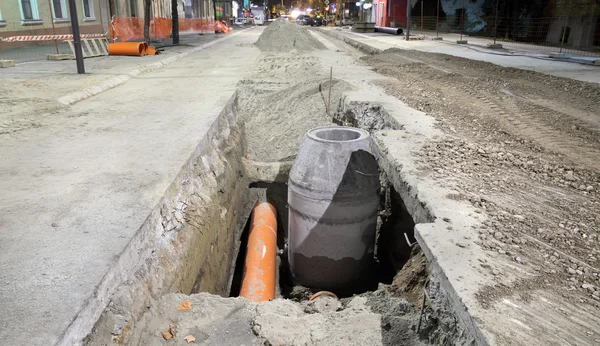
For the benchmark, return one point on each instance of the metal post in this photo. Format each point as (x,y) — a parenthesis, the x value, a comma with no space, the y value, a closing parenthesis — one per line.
(329,95)
(76,37)
(562,40)
(437,20)
(496,22)
(462,22)
(408,11)
(421,15)
(52,21)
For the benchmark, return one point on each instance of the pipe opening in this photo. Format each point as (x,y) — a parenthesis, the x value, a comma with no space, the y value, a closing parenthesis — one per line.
(338,134)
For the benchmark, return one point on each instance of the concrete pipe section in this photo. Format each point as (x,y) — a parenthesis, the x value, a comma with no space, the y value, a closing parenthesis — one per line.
(333,197)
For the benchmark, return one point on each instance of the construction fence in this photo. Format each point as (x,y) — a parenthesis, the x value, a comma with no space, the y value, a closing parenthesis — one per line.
(47,29)
(132,28)
(573,29)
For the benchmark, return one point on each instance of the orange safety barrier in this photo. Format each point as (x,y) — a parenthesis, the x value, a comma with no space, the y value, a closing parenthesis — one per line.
(260,269)
(222,27)
(161,28)
(132,28)
(127,48)
(47,37)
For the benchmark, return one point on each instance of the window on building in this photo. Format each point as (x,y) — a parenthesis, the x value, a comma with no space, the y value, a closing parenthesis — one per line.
(133,8)
(88,9)
(60,9)
(29,10)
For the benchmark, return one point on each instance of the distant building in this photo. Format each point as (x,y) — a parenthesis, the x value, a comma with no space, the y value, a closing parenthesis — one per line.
(37,17)
(45,17)
(543,21)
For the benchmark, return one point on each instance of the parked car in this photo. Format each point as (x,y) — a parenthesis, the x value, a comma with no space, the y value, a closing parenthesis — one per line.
(319,21)
(304,19)
(259,20)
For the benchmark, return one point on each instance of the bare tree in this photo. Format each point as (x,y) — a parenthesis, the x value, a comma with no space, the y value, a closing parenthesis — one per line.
(175,16)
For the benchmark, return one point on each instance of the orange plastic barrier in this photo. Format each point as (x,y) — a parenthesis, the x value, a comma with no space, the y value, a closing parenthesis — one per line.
(132,28)
(47,37)
(260,269)
(222,27)
(127,48)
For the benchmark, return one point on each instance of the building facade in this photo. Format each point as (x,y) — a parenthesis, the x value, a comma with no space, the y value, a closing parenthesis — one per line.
(574,24)
(47,17)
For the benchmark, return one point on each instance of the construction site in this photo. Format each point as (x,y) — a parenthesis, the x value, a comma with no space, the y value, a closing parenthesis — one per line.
(291,185)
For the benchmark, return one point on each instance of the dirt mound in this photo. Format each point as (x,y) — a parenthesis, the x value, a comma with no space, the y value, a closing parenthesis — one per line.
(276,122)
(283,36)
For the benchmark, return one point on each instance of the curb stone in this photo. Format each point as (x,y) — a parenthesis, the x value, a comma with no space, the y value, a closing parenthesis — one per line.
(113,82)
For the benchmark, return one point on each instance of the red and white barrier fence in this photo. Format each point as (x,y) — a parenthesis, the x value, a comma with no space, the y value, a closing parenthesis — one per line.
(48,37)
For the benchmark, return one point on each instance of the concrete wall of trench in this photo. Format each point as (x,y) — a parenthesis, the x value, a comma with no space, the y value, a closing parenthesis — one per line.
(187,244)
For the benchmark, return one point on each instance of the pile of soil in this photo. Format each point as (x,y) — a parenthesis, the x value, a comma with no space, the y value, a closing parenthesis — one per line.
(283,36)
(277,122)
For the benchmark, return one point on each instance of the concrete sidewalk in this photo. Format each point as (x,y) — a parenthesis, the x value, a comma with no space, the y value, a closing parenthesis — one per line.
(76,187)
(32,91)
(509,47)
(382,42)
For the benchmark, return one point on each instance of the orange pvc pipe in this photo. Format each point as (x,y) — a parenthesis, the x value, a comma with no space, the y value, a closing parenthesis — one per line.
(127,48)
(260,269)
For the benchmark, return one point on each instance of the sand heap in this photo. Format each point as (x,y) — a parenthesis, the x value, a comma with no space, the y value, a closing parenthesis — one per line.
(276,122)
(283,36)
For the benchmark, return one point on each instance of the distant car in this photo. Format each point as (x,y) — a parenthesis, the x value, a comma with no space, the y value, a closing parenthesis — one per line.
(304,19)
(319,21)
(259,20)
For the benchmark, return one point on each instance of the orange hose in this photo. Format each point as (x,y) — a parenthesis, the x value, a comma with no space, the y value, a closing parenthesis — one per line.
(127,48)
(260,269)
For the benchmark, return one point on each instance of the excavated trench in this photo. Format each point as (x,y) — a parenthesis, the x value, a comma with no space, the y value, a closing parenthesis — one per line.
(195,240)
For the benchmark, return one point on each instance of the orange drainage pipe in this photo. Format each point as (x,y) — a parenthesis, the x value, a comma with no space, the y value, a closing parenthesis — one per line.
(323,293)
(127,48)
(151,50)
(260,269)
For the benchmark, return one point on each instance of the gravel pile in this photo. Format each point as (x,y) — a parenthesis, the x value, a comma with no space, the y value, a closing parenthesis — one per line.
(283,36)
(524,154)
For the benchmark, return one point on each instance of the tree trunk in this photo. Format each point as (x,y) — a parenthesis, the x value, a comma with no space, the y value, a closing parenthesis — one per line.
(147,6)
(175,16)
